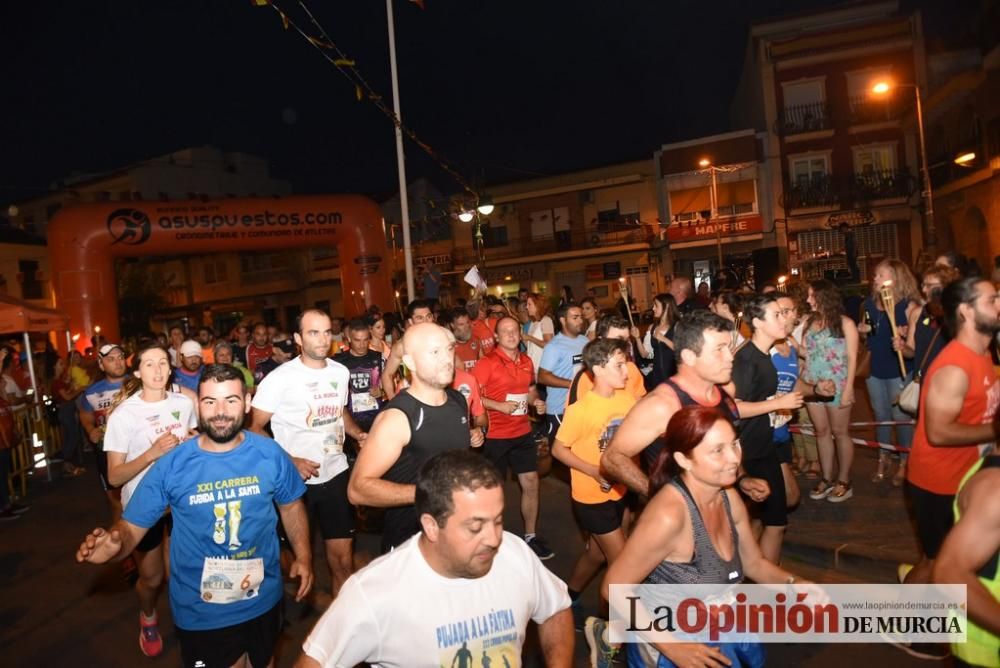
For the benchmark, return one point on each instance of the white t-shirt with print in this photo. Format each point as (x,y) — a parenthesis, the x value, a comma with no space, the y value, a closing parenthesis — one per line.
(538,329)
(135,424)
(397,611)
(307,407)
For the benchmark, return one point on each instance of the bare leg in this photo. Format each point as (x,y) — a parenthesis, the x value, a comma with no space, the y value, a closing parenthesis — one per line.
(770,543)
(792,492)
(147,587)
(824,439)
(340,559)
(529,500)
(587,565)
(840,418)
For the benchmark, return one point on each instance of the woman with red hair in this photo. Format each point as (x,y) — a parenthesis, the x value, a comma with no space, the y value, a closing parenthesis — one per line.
(695,530)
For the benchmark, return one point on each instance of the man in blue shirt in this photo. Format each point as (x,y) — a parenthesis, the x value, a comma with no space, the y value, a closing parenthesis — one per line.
(93,407)
(561,360)
(221,488)
(188,373)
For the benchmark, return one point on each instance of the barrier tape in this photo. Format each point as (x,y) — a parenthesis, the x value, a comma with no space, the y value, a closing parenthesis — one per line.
(875,445)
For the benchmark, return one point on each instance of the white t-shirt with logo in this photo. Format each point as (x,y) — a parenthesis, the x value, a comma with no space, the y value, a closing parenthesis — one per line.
(307,407)
(397,611)
(135,424)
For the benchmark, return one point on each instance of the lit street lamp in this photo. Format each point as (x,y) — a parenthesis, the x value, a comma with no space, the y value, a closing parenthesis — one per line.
(883,88)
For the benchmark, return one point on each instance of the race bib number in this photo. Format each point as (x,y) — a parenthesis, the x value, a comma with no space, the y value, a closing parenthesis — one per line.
(362,402)
(333,443)
(522,403)
(229,580)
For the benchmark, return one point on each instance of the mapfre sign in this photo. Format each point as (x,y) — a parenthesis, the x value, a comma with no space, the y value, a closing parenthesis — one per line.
(689,230)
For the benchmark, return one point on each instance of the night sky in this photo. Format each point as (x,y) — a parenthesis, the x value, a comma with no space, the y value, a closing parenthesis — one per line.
(505,90)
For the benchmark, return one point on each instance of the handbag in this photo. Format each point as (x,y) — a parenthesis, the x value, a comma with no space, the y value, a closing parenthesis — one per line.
(909,398)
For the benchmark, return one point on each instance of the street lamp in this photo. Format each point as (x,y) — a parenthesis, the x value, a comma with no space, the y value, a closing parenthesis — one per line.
(485,206)
(965,159)
(713,213)
(883,88)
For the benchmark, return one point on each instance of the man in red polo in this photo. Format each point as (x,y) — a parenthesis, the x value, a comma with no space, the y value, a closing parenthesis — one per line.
(468,348)
(506,377)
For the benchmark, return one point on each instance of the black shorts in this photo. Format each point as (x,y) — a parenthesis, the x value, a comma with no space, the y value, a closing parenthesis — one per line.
(221,648)
(520,453)
(934,516)
(772,511)
(553,423)
(784,450)
(328,504)
(599,518)
(154,537)
(102,466)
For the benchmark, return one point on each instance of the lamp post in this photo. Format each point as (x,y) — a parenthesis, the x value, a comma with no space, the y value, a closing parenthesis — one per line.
(713,213)
(883,88)
(404,208)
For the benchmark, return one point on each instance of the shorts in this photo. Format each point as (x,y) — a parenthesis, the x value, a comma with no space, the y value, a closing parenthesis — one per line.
(520,453)
(772,511)
(784,450)
(599,518)
(328,503)
(933,515)
(154,537)
(553,422)
(102,467)
(221,648)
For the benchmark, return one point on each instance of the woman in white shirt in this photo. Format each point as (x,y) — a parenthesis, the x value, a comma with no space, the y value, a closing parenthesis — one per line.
(146,421)
(541,330)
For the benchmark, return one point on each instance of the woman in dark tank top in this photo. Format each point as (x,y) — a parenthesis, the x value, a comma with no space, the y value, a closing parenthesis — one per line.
(695,530)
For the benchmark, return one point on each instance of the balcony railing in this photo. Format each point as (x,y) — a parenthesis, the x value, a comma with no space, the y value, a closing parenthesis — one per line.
(867,109)
(568,240)
(801,118)
(829,191)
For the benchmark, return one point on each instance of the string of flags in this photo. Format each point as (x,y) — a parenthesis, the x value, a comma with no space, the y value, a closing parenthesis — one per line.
(362,89)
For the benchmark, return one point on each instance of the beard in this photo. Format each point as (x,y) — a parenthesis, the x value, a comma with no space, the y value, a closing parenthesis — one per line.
(220,430)
(986,325)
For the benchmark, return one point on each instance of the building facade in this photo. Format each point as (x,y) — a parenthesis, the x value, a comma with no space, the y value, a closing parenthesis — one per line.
(848,191)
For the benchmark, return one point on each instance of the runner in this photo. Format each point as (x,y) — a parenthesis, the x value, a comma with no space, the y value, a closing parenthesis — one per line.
(221,489)
(365,366)
(189,372)
(145,422)
(282,350)
(418,311)
(561,360)
(421,421)
(411,607)
(223,353)
(608,327)
(506,379)
(304,401)
(259,348)
(468,349)
(93,406)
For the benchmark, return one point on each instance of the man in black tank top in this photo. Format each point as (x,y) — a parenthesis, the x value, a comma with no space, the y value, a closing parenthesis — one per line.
(427,418)
(705,363)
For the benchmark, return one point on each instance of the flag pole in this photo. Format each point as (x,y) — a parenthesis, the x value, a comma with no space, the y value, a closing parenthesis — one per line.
(404,207)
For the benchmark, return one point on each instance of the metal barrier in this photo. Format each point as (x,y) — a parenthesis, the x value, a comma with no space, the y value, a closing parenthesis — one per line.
(33,428)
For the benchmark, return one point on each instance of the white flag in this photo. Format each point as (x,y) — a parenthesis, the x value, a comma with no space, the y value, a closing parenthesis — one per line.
(473,278)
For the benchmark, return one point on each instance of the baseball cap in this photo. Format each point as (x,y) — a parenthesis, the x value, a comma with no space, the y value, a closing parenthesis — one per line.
(285,346)
(108,347)
(191,349)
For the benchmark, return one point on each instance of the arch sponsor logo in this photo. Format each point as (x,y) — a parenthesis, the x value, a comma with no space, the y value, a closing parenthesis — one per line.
(129,226)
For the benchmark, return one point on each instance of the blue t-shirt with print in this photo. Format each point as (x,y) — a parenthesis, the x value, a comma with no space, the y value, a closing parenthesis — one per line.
(97,398)
(788,374)
(223,507)
(562,356)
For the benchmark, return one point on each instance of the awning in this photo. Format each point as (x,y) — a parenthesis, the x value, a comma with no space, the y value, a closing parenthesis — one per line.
(19,316)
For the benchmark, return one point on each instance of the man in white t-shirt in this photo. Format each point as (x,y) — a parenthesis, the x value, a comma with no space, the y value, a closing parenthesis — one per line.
(460,588)
(304,400)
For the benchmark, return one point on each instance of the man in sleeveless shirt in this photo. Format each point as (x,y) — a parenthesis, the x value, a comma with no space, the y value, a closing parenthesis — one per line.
(423,420)
(958,402)
(418,311)
(705,362)
(305,401)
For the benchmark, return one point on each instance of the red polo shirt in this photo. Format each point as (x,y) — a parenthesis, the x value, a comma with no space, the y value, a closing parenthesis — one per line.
(483,331)
(468,352)
(504,379)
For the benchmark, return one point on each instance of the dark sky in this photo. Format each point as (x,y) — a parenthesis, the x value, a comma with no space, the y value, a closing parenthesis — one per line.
(506,90)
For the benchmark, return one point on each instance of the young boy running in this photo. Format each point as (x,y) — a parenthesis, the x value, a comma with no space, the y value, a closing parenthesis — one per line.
(588,426)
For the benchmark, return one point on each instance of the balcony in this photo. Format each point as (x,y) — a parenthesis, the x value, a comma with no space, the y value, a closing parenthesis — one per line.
(802,118)
(824,190)
(882,184)
(560,242)
(866,109)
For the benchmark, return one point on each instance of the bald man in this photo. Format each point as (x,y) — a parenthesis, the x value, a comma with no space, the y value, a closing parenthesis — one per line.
(683,293)
(421,421)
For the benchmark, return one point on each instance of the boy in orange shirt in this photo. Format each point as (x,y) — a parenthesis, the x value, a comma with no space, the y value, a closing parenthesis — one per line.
(588,426)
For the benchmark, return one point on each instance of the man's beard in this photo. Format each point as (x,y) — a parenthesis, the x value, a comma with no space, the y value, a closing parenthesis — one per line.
(222,432)
(987,326)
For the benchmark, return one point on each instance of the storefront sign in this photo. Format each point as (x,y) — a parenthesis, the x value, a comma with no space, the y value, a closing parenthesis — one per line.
(689,230)
(509,274)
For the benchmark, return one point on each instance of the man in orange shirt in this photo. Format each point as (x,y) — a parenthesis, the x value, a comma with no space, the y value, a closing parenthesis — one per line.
(483,327)
(468,348)
(959,397)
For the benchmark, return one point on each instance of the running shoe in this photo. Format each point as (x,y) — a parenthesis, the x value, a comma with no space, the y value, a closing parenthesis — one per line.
(150,641)
(602,654)
(539,547)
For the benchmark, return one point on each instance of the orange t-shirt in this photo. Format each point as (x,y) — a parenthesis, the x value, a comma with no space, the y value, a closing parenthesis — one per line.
(468,352)
(484,332)
(583,383)
(940,469)
(587,427)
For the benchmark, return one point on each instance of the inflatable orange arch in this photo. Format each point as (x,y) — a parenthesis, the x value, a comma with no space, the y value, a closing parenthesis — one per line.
(85,239)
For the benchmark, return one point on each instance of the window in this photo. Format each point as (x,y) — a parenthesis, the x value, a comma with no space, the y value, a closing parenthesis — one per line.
(31,287)
(808,169)
(874,159)
(215,271)
(803,93)
(263,262)
(546,223)
(860,82)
